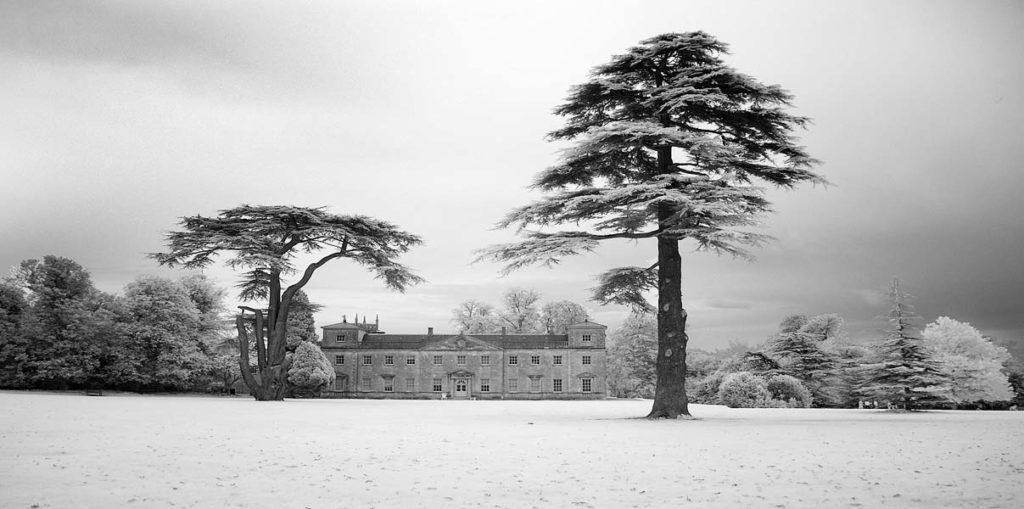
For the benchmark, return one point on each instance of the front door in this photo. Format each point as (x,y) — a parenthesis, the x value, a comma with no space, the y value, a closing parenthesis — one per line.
(461,388)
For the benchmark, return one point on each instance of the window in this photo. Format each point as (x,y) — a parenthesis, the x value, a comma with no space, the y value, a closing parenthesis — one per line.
(513,385)
(535,385)
(340,338)
(534,359)
(556,385)
(557,360)
(586,360)
(389,360)
(410,384)
(437,360)
(339,384)
(586,384)
(513,360)
(364,383)
(437,385)
(485,385)
(389,385)
(586,338)
(367,360)
(461,360)
(410,359)
(485,360)
(339,359)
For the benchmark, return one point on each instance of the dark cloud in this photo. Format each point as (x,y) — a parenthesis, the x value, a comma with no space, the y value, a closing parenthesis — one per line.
(134,33)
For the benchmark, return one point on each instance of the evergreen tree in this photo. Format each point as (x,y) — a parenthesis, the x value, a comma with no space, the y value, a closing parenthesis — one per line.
(311,371)
(301,323)
(850,377)
(667,142)
(803,355)
(792,323)
(907,376)
(265,241)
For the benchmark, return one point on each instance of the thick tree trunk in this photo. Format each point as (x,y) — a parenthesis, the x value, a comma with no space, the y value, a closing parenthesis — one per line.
(272,356)
(670,399)
(243,359)
(272,384)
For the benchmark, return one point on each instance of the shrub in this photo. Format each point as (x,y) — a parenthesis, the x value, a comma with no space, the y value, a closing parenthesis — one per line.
(705,390)
(310,370)
(789,390)
(744,390)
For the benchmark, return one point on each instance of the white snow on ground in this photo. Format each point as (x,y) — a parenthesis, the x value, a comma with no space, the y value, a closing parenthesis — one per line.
(69,450)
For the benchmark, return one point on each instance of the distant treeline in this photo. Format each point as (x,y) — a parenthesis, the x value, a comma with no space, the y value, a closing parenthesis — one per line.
(57,331)
(809,361)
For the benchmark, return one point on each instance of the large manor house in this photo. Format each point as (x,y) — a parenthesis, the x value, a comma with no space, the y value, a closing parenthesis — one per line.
(371,364)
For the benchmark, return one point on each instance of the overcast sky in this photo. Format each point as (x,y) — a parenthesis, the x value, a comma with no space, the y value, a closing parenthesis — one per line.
(119,117)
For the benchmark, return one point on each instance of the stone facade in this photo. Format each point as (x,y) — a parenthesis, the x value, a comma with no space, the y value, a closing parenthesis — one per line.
(372,364)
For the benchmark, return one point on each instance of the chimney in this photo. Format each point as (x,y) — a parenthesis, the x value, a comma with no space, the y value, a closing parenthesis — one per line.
(502,331)
(344,318)
(430,331)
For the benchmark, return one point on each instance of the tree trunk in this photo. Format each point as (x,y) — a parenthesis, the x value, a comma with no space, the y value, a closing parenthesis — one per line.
(272,383)
(670,391)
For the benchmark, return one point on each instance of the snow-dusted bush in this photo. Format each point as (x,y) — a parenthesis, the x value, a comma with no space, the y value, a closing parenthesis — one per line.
(705,390)
(743,390)
(311,370)
(789,390)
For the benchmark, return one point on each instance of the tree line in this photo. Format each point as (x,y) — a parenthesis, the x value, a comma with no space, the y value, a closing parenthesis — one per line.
(810,361)
(58,331)
(521,313)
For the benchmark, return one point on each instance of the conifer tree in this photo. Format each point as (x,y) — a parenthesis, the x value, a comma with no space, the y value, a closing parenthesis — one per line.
(667,142)
(801,353)
(266,241)
(801,356)
(301,323)
(907,376)
(311,371)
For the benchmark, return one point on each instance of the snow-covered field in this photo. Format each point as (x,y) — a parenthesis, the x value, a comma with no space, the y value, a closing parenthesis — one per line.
(67,450)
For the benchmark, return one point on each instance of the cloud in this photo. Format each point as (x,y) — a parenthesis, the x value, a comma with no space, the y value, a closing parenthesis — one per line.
(728,304)
(122,33)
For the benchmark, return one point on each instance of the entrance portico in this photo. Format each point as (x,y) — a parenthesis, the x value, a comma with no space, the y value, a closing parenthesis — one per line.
(461,386)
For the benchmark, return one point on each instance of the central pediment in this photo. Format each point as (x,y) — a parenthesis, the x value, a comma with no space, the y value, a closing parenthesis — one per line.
(458,342)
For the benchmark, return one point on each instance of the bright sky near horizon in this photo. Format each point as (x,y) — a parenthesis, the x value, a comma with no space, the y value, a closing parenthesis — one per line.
(122,116)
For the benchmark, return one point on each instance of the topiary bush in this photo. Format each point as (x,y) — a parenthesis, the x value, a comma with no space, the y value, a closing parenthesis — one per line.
(311,371)
(787,389)
(744,390)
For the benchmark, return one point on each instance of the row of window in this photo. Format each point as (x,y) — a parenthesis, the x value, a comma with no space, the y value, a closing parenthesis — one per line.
(485,360)
(388,384)
(341,338)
